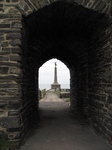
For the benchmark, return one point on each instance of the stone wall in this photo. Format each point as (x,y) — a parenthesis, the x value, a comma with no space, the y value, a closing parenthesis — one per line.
(65,95)
(31,34)
(10,71)
(99,73)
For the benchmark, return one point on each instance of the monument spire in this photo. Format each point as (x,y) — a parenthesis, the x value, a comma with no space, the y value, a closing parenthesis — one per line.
(55,73)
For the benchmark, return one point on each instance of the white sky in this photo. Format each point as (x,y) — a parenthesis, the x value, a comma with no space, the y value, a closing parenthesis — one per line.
(46,72)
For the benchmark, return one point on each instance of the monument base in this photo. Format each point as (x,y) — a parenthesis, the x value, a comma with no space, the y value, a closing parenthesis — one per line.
(55,87)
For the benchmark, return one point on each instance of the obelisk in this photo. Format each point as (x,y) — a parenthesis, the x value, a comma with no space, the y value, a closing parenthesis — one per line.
(55,85)
(55,73)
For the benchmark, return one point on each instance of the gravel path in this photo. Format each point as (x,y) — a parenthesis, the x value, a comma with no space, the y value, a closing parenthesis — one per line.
(59,130)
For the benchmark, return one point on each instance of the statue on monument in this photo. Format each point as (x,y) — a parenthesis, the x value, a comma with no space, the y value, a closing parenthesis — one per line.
(55,64)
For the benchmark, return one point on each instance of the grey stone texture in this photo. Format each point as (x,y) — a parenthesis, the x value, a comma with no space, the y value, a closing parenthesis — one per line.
(78,32)
(10,122)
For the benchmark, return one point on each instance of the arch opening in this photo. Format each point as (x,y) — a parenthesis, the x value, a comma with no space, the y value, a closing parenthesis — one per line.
(54,81)
(47,74)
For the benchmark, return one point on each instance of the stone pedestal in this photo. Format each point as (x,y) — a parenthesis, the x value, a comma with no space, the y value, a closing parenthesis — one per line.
(55,86)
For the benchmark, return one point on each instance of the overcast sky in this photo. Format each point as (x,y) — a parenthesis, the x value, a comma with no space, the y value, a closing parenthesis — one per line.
(46,72)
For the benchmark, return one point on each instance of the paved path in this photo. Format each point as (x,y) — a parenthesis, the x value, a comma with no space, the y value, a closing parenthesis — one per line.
(59,130)
(50,97)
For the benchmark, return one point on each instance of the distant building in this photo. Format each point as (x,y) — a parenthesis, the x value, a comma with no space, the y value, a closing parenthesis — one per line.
(55,86)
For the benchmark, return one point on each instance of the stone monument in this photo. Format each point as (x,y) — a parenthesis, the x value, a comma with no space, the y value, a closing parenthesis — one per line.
(55,86)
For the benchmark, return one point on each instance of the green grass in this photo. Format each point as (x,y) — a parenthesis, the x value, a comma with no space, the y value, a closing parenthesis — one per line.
(43,93)
(67,100)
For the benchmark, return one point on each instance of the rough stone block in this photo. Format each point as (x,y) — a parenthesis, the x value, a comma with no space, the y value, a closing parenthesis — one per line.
(107,76)
(15,71)
(6,50)
(10,91)
(16,50)
(109,99)
(5,44)
(8,64)
(4,70)
(1,5)
(16,42)
(1,39)
(13,113)
(4,25)
(16,25)
(110,106)
(4,58)
(108,90)
(4,53)
(3,112)
(13,36)
(10,122)
(26,8)
(15,57)
(13,10)
(9,77)
(4,85)
(21,6)
(8,86)
(8,98)
(16,104)
(86,2)
(2,104)
(10,16)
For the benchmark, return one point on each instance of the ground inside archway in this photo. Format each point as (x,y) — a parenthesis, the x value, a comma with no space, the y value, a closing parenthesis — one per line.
(59,130)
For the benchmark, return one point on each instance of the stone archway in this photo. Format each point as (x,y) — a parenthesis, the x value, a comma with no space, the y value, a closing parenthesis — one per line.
(28,6)
(79,35)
